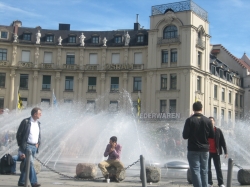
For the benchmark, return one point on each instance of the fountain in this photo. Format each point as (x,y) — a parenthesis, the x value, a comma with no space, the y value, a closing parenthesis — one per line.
(72,133)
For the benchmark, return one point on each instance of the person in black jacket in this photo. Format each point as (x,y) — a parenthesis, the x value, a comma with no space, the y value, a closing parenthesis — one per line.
(197,130)
(215,150)
(29,138)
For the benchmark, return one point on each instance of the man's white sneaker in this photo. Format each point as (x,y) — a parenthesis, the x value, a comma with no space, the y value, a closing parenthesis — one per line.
(222,185)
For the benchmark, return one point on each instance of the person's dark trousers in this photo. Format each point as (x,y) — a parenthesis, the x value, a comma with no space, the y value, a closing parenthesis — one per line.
(217,165)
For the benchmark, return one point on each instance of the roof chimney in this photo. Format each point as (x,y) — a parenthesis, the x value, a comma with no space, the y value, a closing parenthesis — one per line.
(136,24)
(16,24)
(63,26)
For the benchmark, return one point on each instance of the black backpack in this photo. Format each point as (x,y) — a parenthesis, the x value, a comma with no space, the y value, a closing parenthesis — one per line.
(6,163)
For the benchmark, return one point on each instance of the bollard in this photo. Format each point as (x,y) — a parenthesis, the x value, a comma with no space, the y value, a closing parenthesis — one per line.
(230,172)
(27,168)
(143,172)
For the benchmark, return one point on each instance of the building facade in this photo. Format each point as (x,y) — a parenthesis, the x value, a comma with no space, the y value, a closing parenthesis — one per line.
(169,66)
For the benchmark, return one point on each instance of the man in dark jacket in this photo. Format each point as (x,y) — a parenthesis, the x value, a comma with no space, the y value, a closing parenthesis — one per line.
(197,130)
(29,139)
(215,150)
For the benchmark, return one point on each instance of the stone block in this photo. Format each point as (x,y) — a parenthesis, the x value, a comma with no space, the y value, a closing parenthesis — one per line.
(86,170)
(112,173)
(153,174)
(243,176)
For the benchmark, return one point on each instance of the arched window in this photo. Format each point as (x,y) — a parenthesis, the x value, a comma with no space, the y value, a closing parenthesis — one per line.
(170,32)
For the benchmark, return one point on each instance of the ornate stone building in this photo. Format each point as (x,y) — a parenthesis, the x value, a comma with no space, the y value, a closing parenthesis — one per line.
(170,65)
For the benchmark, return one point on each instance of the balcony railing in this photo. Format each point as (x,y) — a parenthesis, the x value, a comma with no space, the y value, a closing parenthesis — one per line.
(70,66)
(138,66)
(4,63)
(162,40)
(200,43)
(25,64)
(47,65)
(91,67)
(180,7)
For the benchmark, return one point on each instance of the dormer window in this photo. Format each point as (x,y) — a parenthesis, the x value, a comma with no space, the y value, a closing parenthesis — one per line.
(27,36)
(140,38)
(72,39)
(221,73)
(95,39)
(170,32)
(4,35)
(213,69)
(49,38)
(229,77)
(118,39)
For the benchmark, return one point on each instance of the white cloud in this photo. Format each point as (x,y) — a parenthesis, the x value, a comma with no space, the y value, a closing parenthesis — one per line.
(9,9)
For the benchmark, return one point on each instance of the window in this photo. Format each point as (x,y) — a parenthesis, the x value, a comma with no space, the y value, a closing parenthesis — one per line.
(46,82)
(164,57)
(45,103)
(173,55)
(70,59)
(27,36)
(25,56)
(69,83)
(170,32)
(137,84)
(72,39)
(229,115)
(199,59)
(113,106)
(24,81)
(90,105)
(173,81)
(47,57)
(198,83)
(215,113)
(140,38)
(114,87)
(138,58)
(92,58)
(92,84)
(241,101)
(172,106)
(164,82)
(223,94)
(221,73)
(230,97)
(163,106)
(3,54)
(215,91)
(236,99)
(229,78)
(95,39)
(213,70)
(118,39)
(1,103)
(115,58)
(4,35)
(68,101)
(2,80)
(49,38)
(222,115)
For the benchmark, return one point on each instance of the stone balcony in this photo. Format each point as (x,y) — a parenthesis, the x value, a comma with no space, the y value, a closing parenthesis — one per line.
(25,64)
(162,41)
(4,63)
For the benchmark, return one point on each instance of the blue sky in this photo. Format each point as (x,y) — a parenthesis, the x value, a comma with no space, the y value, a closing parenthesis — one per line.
(229,19)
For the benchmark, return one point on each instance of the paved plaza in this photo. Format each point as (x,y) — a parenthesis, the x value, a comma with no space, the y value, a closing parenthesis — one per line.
(170,177)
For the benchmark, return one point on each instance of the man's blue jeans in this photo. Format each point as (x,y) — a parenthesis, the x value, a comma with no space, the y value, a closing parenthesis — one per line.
(198,163)
(32,176)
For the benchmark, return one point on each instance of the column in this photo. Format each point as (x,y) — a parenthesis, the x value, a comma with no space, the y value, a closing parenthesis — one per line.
(13,94)
(57,90)
(35,77)
(125,81)
(80,81)
(103,78)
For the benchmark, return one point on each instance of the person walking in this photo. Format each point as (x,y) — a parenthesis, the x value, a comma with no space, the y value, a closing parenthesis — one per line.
(197,130)
(113,151)
(29,139)
(215,150)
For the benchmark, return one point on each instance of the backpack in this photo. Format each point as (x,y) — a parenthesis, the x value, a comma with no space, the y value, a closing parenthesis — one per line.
(6,163)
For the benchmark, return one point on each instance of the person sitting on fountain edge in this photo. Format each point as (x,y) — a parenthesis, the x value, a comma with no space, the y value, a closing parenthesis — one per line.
(113,151)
